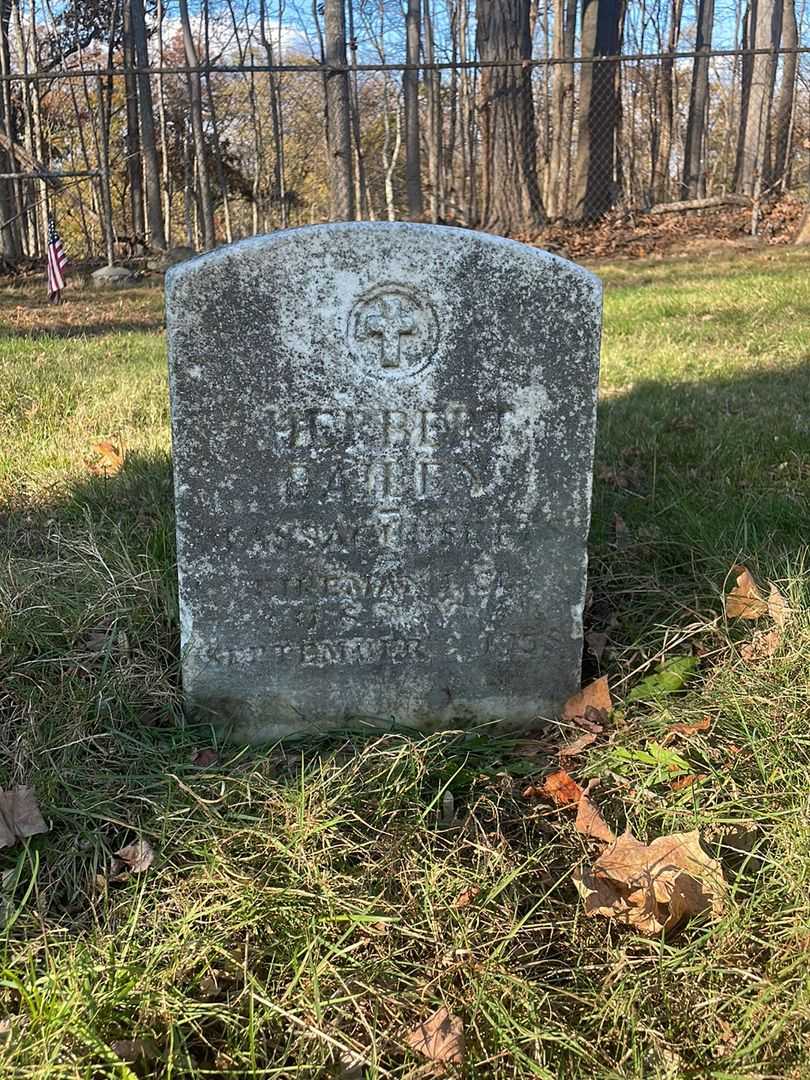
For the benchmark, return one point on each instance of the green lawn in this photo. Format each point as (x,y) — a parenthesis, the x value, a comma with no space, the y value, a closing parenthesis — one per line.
(298,919)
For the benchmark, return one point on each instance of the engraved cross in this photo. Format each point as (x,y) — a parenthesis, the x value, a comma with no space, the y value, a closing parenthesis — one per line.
(389,322)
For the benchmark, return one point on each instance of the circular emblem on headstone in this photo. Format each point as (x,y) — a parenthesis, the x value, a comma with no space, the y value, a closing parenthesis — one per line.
(393,329)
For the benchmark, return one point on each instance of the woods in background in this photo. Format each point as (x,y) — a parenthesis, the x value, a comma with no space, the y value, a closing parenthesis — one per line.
(497,114)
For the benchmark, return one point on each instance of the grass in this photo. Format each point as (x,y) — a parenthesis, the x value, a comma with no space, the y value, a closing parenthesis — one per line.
(299,918)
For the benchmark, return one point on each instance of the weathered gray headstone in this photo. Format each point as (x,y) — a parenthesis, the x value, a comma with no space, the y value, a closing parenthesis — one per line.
(383,441)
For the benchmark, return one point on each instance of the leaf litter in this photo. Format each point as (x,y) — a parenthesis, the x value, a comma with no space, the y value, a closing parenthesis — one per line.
(559,787)
(653,888)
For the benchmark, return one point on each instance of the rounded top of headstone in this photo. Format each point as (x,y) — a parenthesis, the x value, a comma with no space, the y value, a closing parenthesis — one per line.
(409,235)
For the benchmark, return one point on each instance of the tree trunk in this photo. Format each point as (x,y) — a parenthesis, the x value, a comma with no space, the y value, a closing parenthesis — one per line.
(195,109)
(219,167)
(562,108)
(410,87)
(276,119)
(765,33)
(663,156)
(133,137)
(594,186)
(433,87)
(164,150)
(361,187)
(694,165)
(28,112)
(104,168)
(151,169)
(338,117)
(511,198)
(10,232)
(783,117)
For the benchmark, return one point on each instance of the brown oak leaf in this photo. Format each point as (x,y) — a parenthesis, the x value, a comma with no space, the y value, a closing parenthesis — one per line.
(687,729)
(466,896)
(778,607)
(109,458)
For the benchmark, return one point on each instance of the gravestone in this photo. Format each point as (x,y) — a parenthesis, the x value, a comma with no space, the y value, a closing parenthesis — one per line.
(383,443)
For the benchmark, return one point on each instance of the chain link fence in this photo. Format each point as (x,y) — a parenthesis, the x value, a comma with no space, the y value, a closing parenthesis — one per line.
(503,146)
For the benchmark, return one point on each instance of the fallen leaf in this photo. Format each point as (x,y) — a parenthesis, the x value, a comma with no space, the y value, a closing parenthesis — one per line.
(466,896)
(687,729)
(110,458)
(19,816)
(764,644)
(590,822)
(561,788)
(576,747)
(439,1038)
(204,757)
(687,781)
(668,679)
(745,601)
(134,858)
(778,607)
(653,888)
(595,695)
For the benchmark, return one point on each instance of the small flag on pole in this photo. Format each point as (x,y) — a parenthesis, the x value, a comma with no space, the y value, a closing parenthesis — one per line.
(57,261)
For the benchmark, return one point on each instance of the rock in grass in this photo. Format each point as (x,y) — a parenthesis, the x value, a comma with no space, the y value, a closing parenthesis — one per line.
(113,277)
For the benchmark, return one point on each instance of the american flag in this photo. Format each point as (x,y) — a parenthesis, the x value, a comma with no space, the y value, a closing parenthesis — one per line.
(57,261)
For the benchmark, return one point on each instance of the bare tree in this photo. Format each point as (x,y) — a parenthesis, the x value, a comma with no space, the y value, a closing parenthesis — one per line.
(195,108)
(133,132)
(694,173)
(511,196)
(765,32)
(151,169)
(594,181)
(783,115)
(338,117)
(410,87)
(562,109)
(276,115)
(435,140)
(659,180)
